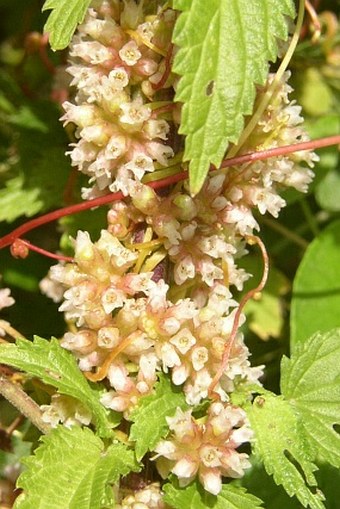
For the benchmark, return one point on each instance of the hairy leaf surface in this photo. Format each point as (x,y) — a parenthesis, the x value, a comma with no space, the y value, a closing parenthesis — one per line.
(194,497)
(281,444)
(72,470)
(63,20)
(310,380)
(56,366)
(224,49)
(149,417)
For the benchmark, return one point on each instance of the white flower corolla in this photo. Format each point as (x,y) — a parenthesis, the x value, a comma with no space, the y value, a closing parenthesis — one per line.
(130,53)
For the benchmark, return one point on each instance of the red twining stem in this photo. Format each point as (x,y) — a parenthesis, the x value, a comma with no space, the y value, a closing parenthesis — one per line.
(8,239)
(252,239)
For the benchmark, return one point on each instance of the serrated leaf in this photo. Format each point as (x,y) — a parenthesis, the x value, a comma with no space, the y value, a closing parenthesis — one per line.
(259,483)
(63,20)
(281,444)
(194,497)
(149,417)
(222,54)
(310,380)
(316,289)
(56,366)
(72,470)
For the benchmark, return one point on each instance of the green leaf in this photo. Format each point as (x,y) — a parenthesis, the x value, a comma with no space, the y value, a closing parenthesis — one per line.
(316,288)
(18,201)
(72,470)
(223,52)
(259,483)
(63,20)
(281,444)
(56,366)
(194,497)
(311,382)
(149,417)
(37,181)
(327,193)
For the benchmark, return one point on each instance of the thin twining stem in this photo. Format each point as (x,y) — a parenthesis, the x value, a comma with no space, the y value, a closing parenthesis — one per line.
(251,239)
(8,239)
(20,400)
(10,331)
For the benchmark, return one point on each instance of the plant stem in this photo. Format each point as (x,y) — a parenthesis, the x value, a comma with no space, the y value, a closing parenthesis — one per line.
(272,88)
(8,239)
(20,400)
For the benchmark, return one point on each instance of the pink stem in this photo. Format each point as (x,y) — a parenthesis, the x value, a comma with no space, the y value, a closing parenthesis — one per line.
(103,200)
(39,250)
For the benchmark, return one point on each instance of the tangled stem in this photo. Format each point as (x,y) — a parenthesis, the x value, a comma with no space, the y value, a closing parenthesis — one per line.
(251,239)
(11,237)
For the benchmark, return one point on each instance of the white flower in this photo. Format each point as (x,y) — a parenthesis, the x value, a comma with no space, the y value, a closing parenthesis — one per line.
(91,51)
(130,53)
(183,341)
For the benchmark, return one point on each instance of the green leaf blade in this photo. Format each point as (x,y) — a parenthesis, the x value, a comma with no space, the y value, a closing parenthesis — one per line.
(149,417)
(311,383)
(63,20)
(56,366)
(222,55)
(194,497)
(71,470)
(281,444)
(316,288)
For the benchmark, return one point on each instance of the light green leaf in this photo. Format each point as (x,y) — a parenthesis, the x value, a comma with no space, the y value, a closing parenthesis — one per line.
(194,497)
(281,444)
(18,201)
(149,417)
(259,483)
(72,470)
(327,193)
(224,49)
(63,20)
(310,381)
(56,366)
(316,288)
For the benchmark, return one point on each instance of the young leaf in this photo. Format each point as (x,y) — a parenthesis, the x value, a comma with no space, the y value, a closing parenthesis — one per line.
(310,380)
(56,366)
(316,289)
(281,444)
(194,497)
(72,470)
(149,417)
(63,20)
(223,52)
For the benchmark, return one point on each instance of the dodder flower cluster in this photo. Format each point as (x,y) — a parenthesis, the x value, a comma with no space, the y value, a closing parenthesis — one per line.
(155,292)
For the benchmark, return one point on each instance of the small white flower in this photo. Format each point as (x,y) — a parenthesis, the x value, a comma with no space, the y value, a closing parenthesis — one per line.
(183,341)
(130,53)
(118,78)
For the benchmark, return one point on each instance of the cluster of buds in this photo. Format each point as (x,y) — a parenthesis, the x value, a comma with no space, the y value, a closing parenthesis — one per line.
(148,497)
(117,58)
(206,449)
(156,292)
